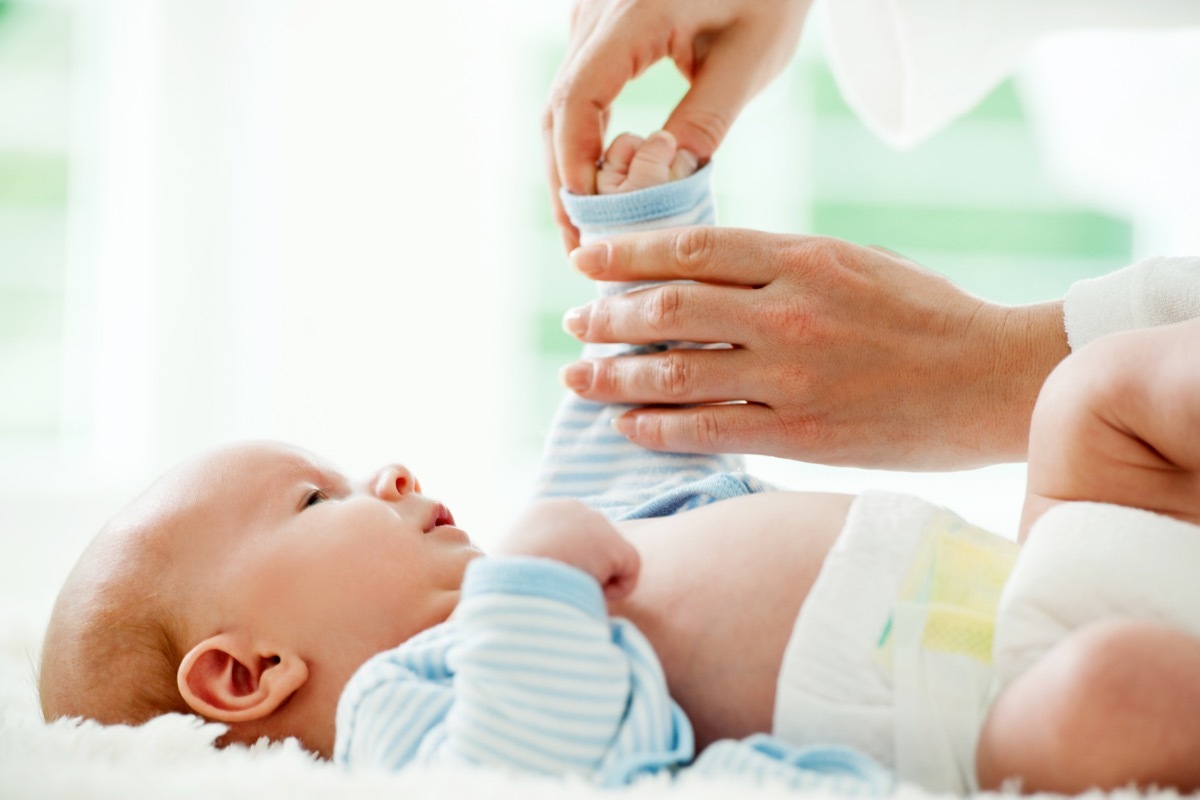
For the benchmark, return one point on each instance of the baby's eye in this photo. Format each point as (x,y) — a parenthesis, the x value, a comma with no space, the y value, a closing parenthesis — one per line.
(314,497)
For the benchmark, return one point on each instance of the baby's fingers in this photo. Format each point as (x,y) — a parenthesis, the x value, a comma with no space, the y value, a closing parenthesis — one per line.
(623,578)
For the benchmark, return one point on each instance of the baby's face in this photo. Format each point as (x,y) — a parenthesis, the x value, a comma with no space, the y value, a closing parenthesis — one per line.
(285,547)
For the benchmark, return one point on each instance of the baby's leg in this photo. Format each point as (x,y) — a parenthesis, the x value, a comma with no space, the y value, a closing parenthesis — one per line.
(1119,422)
(1116,702)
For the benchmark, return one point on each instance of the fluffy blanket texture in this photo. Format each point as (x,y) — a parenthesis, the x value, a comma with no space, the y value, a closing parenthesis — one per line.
(173,757)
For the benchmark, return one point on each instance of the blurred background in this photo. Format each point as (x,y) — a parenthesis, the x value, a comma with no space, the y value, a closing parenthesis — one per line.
(327,223)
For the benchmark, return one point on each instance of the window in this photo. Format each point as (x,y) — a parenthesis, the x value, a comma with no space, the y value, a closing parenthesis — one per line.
(35,50)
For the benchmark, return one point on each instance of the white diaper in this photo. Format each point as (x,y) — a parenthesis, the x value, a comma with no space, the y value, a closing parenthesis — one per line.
(1084,562)
(891,652)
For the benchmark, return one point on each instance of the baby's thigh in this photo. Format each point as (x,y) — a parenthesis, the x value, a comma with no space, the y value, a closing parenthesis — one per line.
(1114,703)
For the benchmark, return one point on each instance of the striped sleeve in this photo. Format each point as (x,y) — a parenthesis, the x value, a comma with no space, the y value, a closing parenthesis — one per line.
(529,674)
(766,760)
(539,683)
(396,703)
(584,457)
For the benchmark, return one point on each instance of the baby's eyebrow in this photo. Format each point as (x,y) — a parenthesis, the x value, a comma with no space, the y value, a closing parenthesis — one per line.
(322,474)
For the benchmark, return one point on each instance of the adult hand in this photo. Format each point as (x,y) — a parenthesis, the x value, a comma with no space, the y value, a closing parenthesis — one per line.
(842,354)
(728,50)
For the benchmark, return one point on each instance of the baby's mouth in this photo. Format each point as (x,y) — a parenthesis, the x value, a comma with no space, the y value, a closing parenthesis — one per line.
(441,516)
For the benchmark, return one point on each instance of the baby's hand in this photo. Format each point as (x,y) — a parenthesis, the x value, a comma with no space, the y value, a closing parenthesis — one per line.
(633,163)
(570,532)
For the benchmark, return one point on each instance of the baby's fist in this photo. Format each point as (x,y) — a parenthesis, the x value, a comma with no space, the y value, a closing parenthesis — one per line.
(632,163)
(570,532)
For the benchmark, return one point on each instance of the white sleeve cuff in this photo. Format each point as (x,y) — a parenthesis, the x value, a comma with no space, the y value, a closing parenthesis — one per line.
(1156,291)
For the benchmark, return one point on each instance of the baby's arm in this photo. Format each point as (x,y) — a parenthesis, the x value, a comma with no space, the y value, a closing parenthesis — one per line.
(1119,422)
(584,457)
(530,674)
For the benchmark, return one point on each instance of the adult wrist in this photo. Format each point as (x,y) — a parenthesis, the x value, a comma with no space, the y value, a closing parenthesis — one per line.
(1032,342)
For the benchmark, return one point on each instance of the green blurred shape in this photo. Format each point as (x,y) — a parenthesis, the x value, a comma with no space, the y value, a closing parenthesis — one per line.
(1001,104)
(1067,233)
(30,313)
(33,179)
(660,86)
(550,338)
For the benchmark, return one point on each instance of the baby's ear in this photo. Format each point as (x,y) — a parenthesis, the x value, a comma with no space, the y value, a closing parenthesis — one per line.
(226,678)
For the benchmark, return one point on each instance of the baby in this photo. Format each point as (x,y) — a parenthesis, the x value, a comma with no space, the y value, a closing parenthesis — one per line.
(257,586)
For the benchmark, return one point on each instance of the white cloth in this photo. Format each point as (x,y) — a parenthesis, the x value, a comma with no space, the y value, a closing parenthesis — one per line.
(891,653)
(1083,562)
(1155,291)
(918,621)
(910,67)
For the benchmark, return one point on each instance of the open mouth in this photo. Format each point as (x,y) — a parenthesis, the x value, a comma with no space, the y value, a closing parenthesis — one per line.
(441,516)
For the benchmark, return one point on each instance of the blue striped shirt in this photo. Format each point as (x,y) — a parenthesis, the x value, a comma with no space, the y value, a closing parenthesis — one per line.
(530,673)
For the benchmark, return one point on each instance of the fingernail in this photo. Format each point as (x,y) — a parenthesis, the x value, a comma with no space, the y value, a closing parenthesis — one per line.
(624,425)
(577,377)
(689,157)
(575,321)
(591,259)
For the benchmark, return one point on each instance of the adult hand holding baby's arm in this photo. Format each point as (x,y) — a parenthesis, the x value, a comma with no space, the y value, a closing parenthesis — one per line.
(728,51)
(570,532)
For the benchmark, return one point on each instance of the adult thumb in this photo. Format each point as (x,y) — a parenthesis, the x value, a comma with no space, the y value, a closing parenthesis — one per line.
(723,84)
(734,70)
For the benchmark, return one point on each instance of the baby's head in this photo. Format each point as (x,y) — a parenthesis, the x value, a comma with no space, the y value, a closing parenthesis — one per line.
(246,586)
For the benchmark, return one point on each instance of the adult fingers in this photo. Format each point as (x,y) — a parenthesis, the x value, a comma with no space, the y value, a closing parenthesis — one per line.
(579,100)
(673,377)
(671,312)
(570,234)
(726,428)
(722,85)
(703,253)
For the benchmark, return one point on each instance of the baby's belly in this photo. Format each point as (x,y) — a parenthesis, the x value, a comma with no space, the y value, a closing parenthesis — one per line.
(718,596)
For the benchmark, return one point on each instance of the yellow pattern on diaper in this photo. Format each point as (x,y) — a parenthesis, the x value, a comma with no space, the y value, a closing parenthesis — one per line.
(954,581)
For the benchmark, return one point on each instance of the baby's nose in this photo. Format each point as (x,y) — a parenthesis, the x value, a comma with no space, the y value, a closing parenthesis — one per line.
(394,482)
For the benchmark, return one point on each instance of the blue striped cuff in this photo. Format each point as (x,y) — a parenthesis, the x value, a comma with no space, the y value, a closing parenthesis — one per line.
(529,576)
(657,202)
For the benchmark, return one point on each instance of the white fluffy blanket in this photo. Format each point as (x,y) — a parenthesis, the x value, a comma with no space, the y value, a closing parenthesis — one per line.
(172,758)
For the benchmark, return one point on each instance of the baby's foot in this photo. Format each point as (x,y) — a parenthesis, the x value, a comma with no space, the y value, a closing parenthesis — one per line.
(633,163)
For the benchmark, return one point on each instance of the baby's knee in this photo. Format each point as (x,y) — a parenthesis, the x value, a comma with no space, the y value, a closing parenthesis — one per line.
(1114,704)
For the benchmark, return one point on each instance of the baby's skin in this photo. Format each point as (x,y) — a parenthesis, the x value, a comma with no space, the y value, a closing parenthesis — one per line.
(1119,422)
(1117,702)
(279,576)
